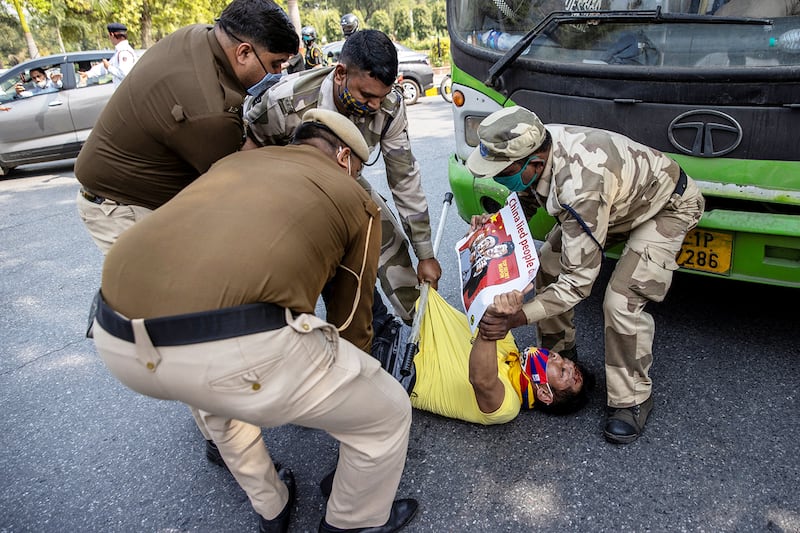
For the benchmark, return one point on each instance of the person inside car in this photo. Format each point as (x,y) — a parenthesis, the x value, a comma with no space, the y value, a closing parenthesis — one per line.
(41,84)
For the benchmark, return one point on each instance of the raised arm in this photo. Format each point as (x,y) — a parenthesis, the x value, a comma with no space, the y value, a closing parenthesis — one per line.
(489,390)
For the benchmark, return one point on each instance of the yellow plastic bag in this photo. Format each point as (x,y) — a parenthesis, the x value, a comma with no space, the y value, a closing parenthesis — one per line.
(442,367)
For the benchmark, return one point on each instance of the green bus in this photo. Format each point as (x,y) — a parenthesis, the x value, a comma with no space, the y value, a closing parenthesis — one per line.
(714,84)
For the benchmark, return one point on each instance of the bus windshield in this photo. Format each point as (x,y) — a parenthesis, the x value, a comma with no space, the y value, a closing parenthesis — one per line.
(692,34)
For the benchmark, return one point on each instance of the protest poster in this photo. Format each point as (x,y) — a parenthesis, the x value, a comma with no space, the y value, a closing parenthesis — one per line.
(498,257)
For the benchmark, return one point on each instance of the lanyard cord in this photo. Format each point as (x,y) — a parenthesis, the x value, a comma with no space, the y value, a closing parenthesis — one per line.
(358,277)
(584,226)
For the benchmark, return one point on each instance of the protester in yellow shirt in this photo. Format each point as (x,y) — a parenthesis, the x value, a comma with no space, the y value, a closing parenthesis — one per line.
(481,381)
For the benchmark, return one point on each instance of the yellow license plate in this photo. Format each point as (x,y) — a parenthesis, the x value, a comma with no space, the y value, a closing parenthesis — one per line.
(707,251)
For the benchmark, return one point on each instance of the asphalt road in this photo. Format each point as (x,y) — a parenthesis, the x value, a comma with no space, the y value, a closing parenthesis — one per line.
(81,453)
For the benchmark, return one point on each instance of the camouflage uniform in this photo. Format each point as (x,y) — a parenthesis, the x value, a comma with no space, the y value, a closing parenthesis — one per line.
(604,188)
(273,118)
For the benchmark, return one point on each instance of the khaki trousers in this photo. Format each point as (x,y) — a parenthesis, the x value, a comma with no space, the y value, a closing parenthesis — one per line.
(643,274)
(302,374)
(105,222)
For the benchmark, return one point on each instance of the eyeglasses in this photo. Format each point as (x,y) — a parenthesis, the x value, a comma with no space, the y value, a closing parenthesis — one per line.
(255,52)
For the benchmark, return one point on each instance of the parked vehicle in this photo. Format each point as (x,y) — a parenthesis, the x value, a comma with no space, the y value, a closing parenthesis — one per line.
(53,125)
(415,74)
(717,93)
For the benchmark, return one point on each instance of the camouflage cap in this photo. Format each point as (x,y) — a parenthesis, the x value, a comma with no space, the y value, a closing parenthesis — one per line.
(347,132)
(507,135)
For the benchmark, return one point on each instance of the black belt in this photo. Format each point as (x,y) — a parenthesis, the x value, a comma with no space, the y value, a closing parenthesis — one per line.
(680,187)
(194,328)
(94,198)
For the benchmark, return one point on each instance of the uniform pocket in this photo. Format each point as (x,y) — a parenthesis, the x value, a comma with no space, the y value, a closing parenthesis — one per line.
(652,276)
(246,380)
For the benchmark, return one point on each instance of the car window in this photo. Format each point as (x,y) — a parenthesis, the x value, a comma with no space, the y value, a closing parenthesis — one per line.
(91,72)
(24,86)
(7,91)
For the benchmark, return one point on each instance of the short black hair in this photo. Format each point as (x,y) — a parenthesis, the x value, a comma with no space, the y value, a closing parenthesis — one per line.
(565,402)
(372,52)
(40,69)
(261,22)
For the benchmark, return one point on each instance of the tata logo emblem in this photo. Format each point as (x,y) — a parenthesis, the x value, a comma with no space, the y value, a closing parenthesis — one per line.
(705,133)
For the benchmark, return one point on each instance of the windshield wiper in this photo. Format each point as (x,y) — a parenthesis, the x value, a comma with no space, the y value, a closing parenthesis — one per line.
(558,17)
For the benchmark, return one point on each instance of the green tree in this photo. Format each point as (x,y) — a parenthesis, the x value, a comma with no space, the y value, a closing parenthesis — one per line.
(380,21)
(422,22)
(332,27)
(11,39)
(402,25)
(439,17)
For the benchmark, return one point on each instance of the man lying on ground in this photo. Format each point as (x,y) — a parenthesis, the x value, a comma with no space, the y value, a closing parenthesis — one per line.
(478,380)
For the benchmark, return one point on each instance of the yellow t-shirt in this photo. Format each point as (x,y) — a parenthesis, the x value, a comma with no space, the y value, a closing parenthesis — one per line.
(442,368)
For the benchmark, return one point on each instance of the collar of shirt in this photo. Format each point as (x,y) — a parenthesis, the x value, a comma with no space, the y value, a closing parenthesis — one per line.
(543,184)
(326,100)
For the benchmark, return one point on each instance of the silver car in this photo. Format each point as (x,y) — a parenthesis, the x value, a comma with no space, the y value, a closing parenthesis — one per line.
(48,126)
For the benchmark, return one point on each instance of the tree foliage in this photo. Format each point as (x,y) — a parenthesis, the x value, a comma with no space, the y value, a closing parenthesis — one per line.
(380,21)
(402,24)
(29,27)
(422,22)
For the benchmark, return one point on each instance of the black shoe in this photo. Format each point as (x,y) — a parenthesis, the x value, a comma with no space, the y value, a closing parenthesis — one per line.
(280,524)
(326,484)
(624,426)
(213,455)
(402,513)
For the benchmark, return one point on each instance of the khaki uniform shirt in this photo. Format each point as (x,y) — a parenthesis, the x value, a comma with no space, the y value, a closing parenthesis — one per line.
(236,236)
(614,184)
(178,112)
(273,118)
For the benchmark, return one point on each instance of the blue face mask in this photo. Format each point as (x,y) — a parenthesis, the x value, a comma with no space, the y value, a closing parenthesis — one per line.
(266,82)
(514,182)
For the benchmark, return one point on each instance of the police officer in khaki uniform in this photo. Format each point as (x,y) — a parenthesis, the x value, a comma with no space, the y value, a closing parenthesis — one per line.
(603,189)
(204,302)
(360,86)
(176,114)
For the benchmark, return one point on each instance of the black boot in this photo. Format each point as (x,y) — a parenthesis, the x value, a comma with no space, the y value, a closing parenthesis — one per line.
(402,513)
(213,455)
(624,426)
(280,524)
(326,484)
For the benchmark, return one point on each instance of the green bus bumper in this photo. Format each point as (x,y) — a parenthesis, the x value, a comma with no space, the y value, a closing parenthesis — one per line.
(766,247)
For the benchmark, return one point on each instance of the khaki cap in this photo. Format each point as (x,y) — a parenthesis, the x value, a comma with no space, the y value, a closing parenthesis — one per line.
(507,135)
(341,127)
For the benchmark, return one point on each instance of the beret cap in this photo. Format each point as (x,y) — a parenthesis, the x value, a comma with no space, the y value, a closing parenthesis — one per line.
(341,127)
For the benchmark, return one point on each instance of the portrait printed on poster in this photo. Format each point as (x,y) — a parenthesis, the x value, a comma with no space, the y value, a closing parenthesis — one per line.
(498,257)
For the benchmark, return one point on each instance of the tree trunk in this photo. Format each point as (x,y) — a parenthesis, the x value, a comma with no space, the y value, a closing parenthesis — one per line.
(294,16)
(60,40)
(147,26)
(33,50)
